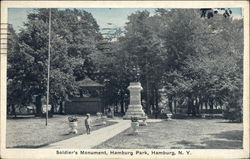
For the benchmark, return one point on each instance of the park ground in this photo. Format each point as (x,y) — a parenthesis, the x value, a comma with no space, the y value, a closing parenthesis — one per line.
(30,132)
(161,134)
(181,134)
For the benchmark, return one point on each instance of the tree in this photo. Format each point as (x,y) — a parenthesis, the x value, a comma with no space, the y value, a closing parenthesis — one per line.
(198,60)
(16,94)
(74,37)
(211,12)
(180,51)
(221,65)
(138,48)
(178,34)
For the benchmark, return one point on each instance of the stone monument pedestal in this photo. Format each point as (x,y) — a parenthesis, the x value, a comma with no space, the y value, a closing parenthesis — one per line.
(135,107)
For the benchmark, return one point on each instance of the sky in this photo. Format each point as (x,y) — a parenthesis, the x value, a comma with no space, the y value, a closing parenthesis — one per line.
(103,16)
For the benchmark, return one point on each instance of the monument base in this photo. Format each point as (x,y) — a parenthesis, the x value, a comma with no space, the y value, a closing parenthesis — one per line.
(135,111)
(128,117)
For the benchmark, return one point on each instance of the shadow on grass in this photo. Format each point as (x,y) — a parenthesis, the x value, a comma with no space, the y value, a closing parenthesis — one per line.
(29,146)
(22,117)
(130,134)
(184,142)
(230,135)
(33,116)
(176,147)
(151,146)
(67,134)
(192,146)
(187,144)
(222,144)
(224,140)
(227,140)
(229,122)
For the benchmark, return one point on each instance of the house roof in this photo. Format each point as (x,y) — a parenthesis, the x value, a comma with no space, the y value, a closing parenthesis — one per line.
(87,82)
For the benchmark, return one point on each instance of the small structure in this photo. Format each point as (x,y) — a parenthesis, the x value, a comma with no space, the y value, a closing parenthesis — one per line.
(110,112)
(134,126)
(83,105)
(73,124)
(100,120)
(89,100)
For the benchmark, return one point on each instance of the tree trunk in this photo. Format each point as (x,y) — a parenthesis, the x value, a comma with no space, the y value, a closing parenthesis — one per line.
(61,107)
(175,110)
(13,110)
(39,105)
(193,108)
(116,108)
(201,105)
(148,109)
(126,107)
(122,106)
(52,108)
(156,102)
(189,111)
(170,104)
(206,105)
(211,103)
(197,105)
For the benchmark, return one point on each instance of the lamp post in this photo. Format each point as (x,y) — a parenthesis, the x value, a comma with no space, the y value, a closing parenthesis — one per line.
(47,100)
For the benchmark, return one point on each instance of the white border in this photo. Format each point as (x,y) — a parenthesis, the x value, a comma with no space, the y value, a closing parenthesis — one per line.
(196,153)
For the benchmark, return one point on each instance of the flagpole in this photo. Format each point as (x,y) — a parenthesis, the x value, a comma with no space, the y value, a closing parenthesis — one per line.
(47,104)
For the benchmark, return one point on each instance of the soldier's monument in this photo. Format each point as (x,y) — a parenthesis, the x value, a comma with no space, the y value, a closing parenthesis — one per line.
(135,107)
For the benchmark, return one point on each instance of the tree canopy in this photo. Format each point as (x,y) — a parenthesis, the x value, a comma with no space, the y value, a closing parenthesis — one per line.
(197,61)
(74,36)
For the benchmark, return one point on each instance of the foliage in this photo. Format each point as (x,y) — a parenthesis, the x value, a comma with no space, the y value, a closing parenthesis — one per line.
(198,61)
(134,119)
(74,36)
(210,12)
(72,119)
(16,85)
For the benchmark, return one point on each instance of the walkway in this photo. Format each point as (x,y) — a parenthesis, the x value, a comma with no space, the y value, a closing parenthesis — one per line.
(95,138)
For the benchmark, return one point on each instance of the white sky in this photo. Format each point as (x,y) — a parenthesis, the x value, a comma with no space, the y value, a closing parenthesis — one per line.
(103,16)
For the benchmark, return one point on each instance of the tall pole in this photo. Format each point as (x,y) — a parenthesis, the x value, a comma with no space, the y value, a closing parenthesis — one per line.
(47,104)
(147,90)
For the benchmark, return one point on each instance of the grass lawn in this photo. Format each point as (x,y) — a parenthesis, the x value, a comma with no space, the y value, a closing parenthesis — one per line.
(181,134)
(32,132)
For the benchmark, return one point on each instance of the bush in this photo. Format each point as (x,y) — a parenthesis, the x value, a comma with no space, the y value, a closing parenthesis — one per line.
(233,110)
(233,114)
(134,119)
(72,119)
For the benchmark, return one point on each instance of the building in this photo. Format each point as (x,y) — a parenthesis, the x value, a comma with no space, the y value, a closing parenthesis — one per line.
(89,100)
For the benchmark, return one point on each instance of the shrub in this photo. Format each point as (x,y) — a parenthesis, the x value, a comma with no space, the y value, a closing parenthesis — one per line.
(233,110)
(233,114)
(72,119)
(134,119)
